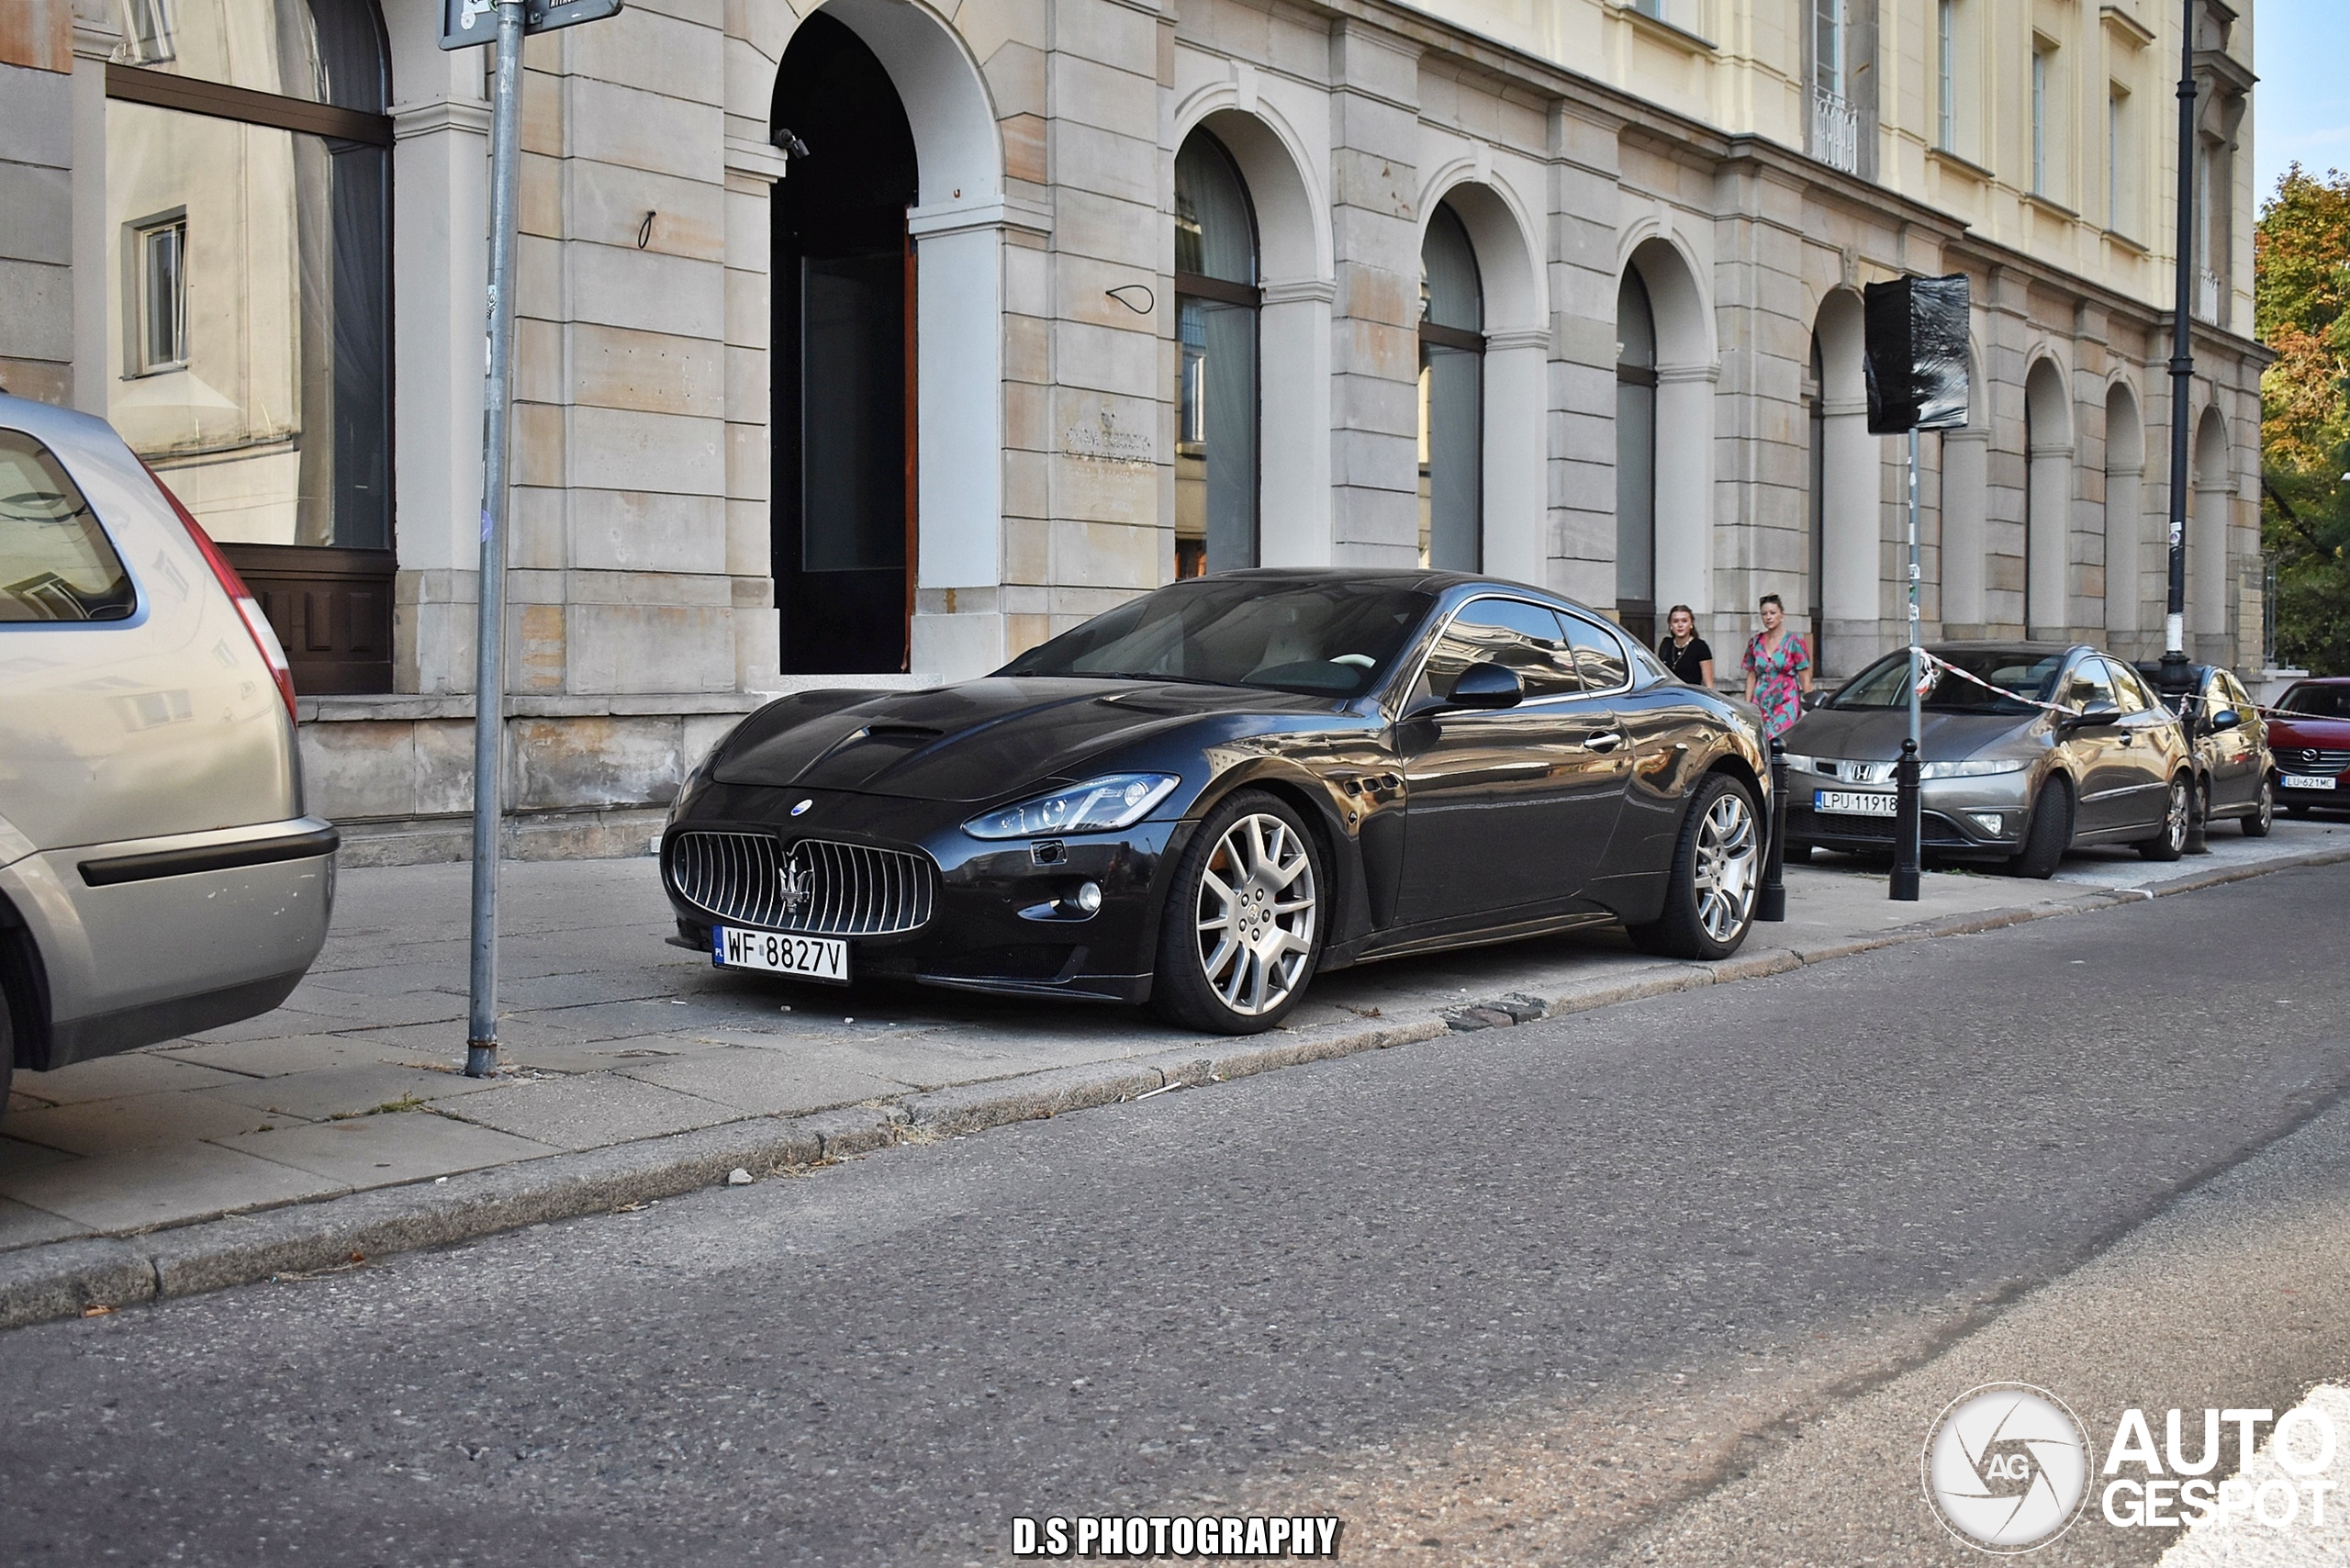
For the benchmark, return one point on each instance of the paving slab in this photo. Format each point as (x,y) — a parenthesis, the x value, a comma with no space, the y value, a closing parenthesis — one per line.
(113,1077)
(135,1121)
(589,1111)
(23,1226)
(371,1151)
(276,1059)
(763,1083)
(148,1187)
(346,1091)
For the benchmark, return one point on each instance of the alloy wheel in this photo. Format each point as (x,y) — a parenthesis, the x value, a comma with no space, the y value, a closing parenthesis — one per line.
(1255,915)
(1729,855)
(2174,822)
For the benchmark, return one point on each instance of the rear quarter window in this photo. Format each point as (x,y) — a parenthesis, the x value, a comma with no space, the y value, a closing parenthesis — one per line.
(56,563)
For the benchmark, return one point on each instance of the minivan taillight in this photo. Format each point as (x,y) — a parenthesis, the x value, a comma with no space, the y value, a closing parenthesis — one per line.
(273,652)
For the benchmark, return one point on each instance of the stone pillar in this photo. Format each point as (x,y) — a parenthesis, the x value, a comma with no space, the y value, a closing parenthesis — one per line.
(2123,565)
(1685,491)
(1851,537)
(2048,515)
(2207,568)
(1295,339)
(1515,473)
(1965,490)
(1580,406)
(1375,350)
(752,170)
(94,38)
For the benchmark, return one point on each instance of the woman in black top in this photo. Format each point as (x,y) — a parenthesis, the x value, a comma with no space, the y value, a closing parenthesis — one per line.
(1684,653)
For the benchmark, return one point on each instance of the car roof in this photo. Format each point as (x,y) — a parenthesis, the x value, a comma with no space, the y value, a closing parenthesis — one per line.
(51,425)
(2006,645)
(2322,680)
(1425,578)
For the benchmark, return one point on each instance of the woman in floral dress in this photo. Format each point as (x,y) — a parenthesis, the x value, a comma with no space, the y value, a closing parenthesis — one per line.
(1778,670)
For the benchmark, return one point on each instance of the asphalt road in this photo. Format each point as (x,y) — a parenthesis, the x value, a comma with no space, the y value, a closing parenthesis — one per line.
(1532,1294)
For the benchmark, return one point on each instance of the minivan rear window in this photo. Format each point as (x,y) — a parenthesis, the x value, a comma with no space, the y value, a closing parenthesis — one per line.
(56,563)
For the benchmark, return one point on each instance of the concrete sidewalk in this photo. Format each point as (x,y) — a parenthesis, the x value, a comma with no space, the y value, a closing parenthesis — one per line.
(341,1123)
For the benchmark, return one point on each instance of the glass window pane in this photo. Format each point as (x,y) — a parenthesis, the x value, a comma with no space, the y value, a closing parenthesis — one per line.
(325,51)
(271,416)
(1454,472)
(853,484)
(1451,294)
(1215,229)
(1509,633)
(1215,454)
(56,563)
(1597,654)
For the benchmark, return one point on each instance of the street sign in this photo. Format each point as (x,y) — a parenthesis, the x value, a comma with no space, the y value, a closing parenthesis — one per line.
(464,23)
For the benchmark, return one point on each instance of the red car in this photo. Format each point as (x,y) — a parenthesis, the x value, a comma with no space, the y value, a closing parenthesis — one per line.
(2309,734)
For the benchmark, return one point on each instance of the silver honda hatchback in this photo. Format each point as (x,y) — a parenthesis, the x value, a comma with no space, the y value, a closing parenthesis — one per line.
(158,875)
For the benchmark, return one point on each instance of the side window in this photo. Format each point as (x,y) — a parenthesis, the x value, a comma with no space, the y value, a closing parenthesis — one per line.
(2128,691)
(56,563)
(1506,631)
(2089,684)
(2234,695)
(1599,655)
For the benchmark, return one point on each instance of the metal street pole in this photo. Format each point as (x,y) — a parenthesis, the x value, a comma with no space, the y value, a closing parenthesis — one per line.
(2175,679)
(1907,825)
(489,665)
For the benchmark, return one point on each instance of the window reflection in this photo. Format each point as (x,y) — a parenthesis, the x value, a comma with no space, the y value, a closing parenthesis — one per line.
(1216,375)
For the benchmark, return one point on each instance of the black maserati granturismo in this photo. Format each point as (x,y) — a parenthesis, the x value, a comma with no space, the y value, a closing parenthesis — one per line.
(1208,794)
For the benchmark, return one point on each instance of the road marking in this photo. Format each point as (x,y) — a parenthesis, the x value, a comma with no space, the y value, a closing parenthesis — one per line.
(2244,1542)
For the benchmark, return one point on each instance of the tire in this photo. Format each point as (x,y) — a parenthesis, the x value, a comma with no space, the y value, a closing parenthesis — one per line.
(2171,842)
(1247,865)
(2049,835)
(2263,811)
(8,1054)
(1716,867)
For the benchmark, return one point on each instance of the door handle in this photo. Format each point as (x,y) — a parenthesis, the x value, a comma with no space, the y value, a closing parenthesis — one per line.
(1603,739)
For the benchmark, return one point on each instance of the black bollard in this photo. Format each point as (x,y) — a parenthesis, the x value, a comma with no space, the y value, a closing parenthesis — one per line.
(1905,825)
(1770,903)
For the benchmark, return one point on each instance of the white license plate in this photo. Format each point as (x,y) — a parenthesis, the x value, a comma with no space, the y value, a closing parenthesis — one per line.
(780,953)
(2293,781)
(1853,802)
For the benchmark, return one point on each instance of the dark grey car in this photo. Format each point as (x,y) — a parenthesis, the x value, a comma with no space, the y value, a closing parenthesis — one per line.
(2004,777)
(2233,767)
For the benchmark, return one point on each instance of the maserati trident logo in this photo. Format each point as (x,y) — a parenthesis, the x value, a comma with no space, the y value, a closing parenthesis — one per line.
(795,884)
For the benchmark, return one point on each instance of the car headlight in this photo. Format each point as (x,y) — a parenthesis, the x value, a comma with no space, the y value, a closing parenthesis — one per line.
(1968,769)
(1803,764)
(1098,805)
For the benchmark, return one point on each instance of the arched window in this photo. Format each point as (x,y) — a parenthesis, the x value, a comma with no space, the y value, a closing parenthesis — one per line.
(1216,301)
(1635,458)
(1452,377)
(249,207)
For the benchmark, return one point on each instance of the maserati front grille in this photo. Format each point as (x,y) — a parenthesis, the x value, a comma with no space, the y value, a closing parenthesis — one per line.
(816,885)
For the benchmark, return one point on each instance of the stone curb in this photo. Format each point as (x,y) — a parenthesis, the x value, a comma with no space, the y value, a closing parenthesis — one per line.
(61,1279)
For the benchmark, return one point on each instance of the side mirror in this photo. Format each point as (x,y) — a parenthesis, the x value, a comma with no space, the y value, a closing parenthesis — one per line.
(2224,719)
(1487,686)
(2092,715)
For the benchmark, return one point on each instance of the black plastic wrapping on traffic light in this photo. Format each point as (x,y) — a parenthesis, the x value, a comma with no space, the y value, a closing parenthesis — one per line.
(1915,357)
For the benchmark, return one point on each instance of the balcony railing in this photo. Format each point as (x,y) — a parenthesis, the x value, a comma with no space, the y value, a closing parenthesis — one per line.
(1835,130)
(2207,296)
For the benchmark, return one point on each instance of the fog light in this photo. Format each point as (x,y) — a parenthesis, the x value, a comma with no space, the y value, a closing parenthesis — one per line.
(1089,896)
(1989,822)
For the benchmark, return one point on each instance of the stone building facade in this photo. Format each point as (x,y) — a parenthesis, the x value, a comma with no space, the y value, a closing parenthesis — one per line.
(876,344)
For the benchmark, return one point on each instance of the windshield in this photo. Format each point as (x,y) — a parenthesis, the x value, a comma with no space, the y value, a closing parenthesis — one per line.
(2318,701)
(1884,684)
(1322,639)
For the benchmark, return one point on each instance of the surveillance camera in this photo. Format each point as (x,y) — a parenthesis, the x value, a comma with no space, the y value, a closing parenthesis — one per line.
(790,145)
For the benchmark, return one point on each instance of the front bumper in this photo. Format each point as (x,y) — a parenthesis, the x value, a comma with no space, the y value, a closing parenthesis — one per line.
(1961,818)
(1004,914)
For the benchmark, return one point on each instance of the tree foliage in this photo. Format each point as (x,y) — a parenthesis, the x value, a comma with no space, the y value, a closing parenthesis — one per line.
(2301,310)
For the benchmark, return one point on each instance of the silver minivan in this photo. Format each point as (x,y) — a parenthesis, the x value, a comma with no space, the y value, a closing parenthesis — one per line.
(158,875)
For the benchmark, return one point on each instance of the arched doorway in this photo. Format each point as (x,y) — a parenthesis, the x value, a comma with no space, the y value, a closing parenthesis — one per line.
(2047,502)
(248,204)
(2125,467)
(1216,302)
(1452,383)
(844,431)
(1635,458)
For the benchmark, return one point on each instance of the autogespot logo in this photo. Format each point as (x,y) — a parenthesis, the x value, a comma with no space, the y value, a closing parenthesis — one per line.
(2006,1467)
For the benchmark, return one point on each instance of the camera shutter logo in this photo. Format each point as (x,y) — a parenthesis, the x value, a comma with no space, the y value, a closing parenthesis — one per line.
(2006,1467)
